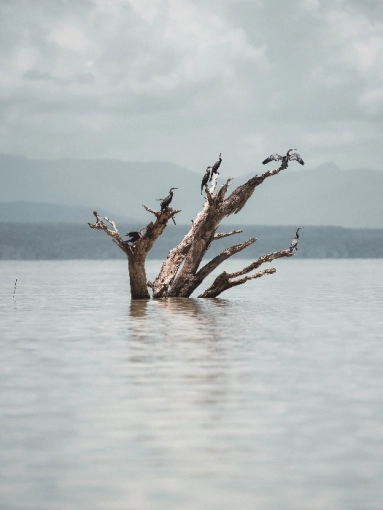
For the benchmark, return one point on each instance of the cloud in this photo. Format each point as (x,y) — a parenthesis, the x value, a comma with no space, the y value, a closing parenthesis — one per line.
(181,80)
(36,75)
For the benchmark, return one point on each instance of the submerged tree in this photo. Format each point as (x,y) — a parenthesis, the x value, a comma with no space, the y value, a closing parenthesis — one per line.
(181,274)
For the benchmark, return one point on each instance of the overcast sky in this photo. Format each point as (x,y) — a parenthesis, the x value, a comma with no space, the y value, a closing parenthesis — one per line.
(182,80)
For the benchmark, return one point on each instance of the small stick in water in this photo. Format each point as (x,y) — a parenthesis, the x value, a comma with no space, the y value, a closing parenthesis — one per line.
(14,290)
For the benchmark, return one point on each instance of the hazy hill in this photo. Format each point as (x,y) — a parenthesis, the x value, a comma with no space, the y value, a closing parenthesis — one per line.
(28,212)
(321,196)
(116,186)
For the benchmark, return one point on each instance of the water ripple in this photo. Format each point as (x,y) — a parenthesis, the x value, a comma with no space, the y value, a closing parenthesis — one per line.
(269,397)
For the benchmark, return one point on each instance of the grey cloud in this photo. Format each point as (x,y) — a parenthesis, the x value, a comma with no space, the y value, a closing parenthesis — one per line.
(237,76)
(86,78)
(35,75)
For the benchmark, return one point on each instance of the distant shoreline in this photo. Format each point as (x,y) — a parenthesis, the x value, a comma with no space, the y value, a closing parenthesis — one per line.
(65,241)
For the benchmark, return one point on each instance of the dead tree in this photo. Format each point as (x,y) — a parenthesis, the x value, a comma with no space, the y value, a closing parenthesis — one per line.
(176,281)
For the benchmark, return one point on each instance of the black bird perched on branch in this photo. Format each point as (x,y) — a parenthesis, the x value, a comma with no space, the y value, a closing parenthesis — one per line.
(215,167)
(134,236)
(285,159)
(166,201)
(205,178)
(294,242)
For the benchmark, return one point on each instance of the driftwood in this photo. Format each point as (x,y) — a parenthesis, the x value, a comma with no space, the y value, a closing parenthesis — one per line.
(181,274)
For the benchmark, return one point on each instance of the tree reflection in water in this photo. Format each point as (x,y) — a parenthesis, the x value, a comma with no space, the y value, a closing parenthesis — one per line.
(181,341)
(187,318)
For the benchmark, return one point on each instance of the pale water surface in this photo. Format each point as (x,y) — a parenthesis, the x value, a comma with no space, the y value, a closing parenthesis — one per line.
(269,398)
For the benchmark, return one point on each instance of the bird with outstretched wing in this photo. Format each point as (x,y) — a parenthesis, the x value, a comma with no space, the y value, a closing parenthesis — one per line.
(273,157)
(296,157)
(285,159)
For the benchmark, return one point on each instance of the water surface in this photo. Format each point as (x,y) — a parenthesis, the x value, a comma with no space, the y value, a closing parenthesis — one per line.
(270,397)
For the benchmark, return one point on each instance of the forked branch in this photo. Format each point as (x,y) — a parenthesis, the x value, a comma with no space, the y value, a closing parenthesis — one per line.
(225,280)
(195,281)
(224,255)
(100,225)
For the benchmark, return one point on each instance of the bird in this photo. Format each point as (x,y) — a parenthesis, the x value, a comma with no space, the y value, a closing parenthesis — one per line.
(166,201)
(205,178)
(285,159)
(272,157)
(294,242)
(216,165)
(134,236)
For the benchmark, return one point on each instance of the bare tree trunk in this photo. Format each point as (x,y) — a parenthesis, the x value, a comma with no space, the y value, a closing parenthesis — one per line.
(137,276)
(137,252)
(180,274)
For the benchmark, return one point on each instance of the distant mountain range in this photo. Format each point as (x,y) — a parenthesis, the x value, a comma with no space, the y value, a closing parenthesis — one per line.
(67,190)
(28,212)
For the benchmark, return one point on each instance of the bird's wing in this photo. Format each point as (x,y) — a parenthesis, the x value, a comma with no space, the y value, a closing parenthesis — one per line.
(296,157)
(273,157)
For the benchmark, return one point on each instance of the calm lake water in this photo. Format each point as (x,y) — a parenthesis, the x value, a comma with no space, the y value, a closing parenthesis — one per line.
(268,398)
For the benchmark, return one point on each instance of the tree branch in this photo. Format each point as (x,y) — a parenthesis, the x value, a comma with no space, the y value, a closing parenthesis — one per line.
(269,257)
(221,257)
(237,200)
(223,189)
(100,225)
(156,213)
(210,197)
(195,281)
(253,276)
(226,234)
(225,280)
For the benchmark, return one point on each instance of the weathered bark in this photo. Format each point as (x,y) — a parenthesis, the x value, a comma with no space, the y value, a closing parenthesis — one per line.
(173,282)
(180,274)
(192,283)
(177,255)
(225,280)
(137,277)
(137,252)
